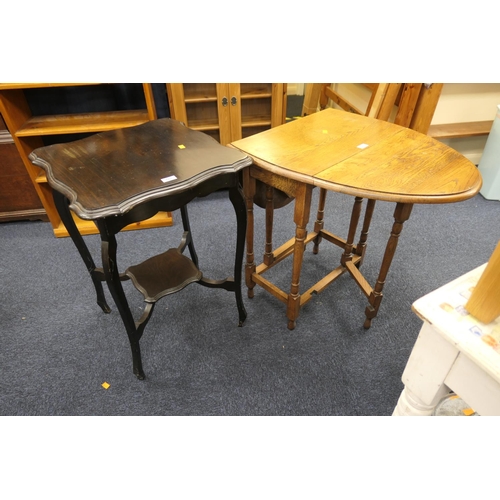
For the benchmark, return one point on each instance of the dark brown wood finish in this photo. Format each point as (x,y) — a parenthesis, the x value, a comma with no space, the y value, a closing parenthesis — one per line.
(124,176)
(101,178)
(18,198)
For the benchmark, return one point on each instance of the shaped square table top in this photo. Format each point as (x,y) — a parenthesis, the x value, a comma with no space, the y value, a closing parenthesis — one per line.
(111,172)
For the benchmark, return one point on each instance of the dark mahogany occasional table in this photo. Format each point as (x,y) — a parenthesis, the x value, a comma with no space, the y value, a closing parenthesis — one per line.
(125,176)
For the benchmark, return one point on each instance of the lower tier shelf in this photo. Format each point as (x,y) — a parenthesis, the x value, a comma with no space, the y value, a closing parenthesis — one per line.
(163,274)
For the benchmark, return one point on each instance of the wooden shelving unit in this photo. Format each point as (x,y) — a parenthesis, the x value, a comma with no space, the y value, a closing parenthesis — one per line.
(18,198)
(228,111)
(456,130)
(28,131)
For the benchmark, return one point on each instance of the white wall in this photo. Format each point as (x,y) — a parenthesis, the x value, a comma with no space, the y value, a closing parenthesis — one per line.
(467,102)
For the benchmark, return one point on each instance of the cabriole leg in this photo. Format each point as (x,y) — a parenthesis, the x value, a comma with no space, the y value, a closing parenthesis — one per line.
(61,203)
(110,267)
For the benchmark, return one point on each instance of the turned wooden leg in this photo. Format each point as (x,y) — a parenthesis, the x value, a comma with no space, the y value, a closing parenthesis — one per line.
(319,224)
(248,194)
(428,366)
(301,218)
(361,246)
(401,215)
(268,249)
(356,211)
(409,405)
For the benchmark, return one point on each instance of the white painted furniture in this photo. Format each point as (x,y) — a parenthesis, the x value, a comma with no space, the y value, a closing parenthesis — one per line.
(454,351)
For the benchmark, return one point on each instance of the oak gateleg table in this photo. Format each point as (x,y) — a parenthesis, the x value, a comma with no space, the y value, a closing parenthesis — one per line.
(352,154)
(124,176)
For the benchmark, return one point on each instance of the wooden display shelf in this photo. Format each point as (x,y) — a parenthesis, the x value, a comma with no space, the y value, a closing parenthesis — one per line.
(256,121)
(23,86)
(200,98)
(28,131)
(228,111)
(204,124)
(86,227)
(263,95)
(80,123)
(255,90)
(465,129)
(199,92)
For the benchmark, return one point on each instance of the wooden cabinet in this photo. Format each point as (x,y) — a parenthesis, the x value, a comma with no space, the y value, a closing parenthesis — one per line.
(30,131)
(228,111)
(18,198)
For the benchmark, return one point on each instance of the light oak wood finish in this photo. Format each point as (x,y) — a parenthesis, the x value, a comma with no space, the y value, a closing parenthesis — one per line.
(412,105)
(484,302)
(18,198)
(358,156)
(28,130)
(466,129)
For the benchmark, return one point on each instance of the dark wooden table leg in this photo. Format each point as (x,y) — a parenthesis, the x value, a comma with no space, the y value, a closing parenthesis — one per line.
(401,215)
(301,218)
(188,236)
(249,194)
(236,197)
(97,275)
(113,279)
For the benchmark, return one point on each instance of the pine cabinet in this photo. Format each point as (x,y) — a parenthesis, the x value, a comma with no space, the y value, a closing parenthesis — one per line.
(30,131)
(228,111)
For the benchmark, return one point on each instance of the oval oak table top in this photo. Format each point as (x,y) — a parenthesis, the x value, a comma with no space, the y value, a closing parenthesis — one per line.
(366,157)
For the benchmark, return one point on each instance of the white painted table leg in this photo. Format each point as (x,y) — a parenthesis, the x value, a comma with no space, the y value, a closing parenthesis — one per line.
(411,406)
(430,361)
(454,351)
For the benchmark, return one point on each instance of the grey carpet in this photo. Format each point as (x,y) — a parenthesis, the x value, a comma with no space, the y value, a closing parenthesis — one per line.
(57,347)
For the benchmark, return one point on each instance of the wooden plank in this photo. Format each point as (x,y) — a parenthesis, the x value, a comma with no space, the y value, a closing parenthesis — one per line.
(161,219)
(224,112)
(150,101)
(340,101)
(332,238)
(360,279)
(270,287)
(385,110)
(465,129)
(426,105)
(8,86)
(408,103)
(321,284)
(484,302)
(278,106)
(175,94)
(376,100)
(311,98)
(81,122)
